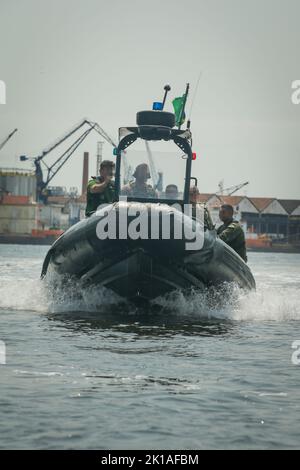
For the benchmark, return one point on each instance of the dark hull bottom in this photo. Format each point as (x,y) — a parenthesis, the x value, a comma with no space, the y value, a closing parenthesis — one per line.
(144,269)
(139,276)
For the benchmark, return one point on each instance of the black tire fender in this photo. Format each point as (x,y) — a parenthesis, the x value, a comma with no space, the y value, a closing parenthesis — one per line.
(155,118)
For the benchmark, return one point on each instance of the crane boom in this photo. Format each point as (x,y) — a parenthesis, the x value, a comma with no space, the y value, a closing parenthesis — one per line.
(102,132)
(93,125)
(232,189)
(236,188)
(58,164)
(108,139)
(7,138)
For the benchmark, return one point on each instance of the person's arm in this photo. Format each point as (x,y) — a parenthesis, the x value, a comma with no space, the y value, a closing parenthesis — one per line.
(98,187)
(208,219)
(230,233)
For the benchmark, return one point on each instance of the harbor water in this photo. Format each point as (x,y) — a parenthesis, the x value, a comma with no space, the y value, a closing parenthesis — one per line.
(81,370)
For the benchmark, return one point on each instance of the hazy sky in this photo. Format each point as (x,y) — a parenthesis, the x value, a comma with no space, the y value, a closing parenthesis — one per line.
(63,60)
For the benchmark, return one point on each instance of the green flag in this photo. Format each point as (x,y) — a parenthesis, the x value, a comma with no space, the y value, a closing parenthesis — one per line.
(178,104)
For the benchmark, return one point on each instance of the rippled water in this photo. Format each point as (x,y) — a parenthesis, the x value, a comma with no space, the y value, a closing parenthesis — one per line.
(203,371)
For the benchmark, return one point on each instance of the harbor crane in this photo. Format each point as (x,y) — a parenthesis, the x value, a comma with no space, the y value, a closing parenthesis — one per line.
(53,169)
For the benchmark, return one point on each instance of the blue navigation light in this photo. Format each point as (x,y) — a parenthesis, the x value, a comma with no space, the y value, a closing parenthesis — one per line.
(157,106)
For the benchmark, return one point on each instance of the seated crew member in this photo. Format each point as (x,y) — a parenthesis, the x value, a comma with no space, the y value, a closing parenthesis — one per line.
(100,189)
(139,187)
(172,191)
(194,198)
(231,231)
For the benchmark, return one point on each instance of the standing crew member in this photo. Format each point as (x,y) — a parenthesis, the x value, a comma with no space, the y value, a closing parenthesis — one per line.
(100,189)
(139,187)
(231,231)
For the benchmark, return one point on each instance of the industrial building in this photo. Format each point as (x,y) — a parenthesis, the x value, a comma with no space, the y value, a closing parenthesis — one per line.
(275,220)
(21,215)
(18,182)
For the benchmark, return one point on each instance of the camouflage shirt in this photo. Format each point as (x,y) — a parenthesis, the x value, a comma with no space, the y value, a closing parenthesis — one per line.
(233,234)
(93,200)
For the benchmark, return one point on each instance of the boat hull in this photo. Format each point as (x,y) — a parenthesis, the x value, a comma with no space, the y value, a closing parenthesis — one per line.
(144,268)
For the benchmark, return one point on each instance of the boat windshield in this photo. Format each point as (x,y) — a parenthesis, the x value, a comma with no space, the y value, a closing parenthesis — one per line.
(153,170)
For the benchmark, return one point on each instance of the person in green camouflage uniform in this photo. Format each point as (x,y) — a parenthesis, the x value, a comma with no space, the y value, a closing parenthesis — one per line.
(231,231)
(139,187)
(100,189)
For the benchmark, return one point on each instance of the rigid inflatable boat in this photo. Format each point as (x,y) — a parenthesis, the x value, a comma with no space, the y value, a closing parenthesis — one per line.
(145,245)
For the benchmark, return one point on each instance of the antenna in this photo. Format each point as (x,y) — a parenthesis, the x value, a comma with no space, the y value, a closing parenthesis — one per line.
(195,94)
(167,88)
